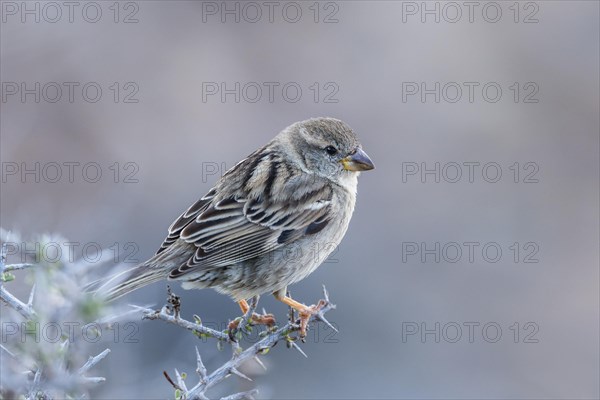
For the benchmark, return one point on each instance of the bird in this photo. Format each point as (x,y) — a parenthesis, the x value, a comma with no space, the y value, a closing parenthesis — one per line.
(267,223)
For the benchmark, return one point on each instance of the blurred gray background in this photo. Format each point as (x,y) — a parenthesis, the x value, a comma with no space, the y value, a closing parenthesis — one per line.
(365,56)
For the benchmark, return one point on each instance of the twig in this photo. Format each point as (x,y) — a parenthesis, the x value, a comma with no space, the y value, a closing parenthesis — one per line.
(8,351)
(200,369)
(239,357)
(48,366)
(295,346)
(180,381)
(24,309)
(170,380)
(260,362)
(16,267)
(93,361)
(258,348)
(191,326)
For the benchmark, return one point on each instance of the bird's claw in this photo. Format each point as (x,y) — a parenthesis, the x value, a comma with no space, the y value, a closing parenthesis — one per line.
(308,312)
(255,319)
(262,319)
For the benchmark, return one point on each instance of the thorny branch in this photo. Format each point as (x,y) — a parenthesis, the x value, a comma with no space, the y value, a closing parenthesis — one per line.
(67,380)
(26,310)
(239,355)
(47,364)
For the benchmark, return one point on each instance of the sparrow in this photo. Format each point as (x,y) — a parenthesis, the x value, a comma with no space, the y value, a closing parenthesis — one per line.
(268,222)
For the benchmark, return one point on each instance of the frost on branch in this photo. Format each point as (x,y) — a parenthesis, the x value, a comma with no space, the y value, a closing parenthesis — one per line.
(45,350)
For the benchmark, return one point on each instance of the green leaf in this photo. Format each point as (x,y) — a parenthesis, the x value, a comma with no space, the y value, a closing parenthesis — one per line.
(7,277)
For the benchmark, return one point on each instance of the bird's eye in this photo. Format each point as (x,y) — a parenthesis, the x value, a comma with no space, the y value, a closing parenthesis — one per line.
(331,150)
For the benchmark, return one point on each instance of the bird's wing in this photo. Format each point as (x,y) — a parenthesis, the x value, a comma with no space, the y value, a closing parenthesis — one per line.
(184,219)
(260,205)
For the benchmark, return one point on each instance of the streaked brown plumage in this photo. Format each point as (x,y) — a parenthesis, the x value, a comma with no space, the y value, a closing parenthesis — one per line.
(295,195)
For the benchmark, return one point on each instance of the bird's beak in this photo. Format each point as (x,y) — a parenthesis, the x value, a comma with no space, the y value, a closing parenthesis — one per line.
(359,161)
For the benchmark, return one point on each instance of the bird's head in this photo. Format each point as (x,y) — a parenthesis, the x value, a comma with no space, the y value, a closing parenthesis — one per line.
(326,147)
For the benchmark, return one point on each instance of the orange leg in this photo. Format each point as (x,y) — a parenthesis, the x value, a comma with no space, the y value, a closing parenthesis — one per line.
(304,311)
(294,304)
(244,306)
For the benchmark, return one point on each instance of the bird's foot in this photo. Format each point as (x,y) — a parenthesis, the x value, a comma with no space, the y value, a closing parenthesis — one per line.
(262,319)
(316,312)
(254,319)
(308,312)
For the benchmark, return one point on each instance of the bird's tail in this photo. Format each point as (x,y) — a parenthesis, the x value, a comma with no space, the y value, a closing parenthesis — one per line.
(122,283)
